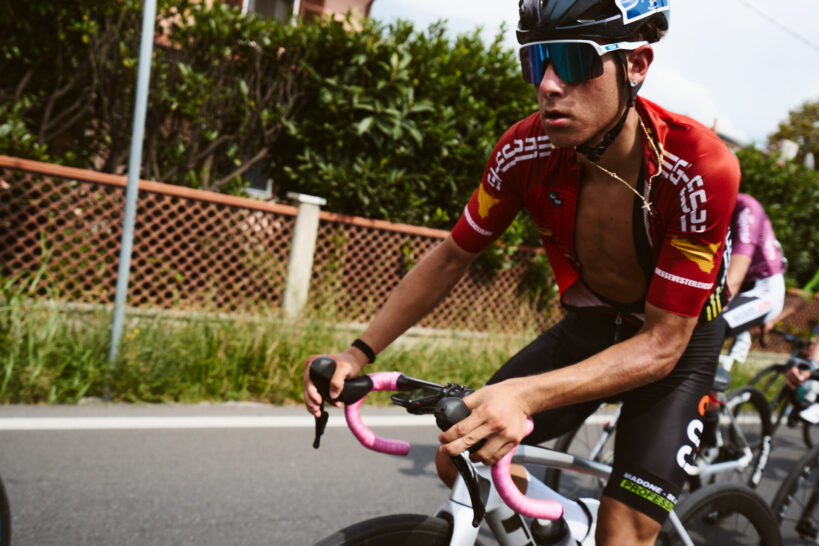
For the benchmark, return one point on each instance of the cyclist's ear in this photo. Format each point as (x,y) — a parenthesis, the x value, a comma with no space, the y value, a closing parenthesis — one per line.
(638,62)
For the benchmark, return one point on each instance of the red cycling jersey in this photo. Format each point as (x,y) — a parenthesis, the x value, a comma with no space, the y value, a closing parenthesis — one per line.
(692,202)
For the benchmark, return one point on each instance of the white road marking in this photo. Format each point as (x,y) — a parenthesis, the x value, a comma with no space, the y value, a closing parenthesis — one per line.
(159,422)
(201,422)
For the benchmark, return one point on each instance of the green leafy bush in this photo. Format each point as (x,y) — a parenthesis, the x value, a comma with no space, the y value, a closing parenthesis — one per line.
(790,194)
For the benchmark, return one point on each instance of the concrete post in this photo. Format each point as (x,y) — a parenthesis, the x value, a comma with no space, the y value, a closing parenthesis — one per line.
(302,248)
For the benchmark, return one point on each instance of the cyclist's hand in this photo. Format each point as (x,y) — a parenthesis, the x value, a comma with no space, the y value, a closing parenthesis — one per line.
(347,365)
(794,376)
(497,415)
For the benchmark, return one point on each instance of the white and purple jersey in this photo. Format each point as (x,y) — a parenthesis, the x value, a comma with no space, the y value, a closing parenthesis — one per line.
(753,236)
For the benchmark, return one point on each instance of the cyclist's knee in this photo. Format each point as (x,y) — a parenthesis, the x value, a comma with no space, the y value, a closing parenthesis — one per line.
(618,523)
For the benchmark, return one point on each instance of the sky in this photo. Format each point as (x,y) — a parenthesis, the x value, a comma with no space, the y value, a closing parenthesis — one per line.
(740,64)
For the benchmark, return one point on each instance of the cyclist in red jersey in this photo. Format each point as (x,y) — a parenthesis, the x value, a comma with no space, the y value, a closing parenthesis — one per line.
(633,205)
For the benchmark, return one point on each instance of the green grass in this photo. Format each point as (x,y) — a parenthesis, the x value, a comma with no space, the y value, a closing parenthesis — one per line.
(51,353)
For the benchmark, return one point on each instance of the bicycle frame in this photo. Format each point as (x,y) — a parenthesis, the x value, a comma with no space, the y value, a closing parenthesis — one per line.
(747,455)
(510,528)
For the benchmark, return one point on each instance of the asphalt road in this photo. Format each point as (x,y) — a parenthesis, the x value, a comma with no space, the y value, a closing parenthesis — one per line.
(224,474)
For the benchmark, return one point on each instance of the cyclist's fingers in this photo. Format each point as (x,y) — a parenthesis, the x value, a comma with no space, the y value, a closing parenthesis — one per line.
(343,371)
(794,377)
(464,435)
(312,398)
(494,449)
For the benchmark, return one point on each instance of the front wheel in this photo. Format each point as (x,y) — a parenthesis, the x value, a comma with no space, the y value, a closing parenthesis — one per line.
(394,530)
(5,517)
(795,504)
(724,513)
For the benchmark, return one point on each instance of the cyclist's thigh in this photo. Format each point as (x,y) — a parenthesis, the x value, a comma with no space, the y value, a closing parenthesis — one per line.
(659,428)
(775,290)
(576,337)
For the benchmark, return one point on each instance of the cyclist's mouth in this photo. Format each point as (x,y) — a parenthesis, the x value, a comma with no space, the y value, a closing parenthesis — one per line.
(553,119)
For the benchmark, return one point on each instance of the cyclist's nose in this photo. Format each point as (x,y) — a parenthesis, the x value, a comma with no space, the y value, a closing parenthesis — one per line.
(551,84)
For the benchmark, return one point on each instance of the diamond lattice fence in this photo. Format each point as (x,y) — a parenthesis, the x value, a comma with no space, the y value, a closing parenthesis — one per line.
(194,249)
(191,249)
(202,250)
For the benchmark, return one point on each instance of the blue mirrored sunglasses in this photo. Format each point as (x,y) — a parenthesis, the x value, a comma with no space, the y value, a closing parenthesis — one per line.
(574,61)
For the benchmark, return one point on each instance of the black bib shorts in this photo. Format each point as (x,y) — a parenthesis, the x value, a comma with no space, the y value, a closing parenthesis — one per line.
(660,424)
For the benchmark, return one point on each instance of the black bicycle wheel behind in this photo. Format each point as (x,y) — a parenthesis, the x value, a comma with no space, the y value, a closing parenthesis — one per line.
(394,530)
(5,517)
(753,416)
(810,434)
(724,514)
(580,442)
(770,381)
(795,504)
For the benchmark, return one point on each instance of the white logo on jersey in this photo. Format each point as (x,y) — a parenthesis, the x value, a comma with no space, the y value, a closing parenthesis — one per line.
(515,152)
(692,193)
(745,221)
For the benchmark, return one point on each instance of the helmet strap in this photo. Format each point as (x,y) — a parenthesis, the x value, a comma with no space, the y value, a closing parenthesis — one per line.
(593,153)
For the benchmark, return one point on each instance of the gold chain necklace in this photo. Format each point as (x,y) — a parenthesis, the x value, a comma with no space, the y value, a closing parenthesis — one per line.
(657,153)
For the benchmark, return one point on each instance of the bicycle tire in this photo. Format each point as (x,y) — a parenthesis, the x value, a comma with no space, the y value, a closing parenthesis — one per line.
(724,513)
(770,380)
(795,503)
(809,434)
(393,530)
(5,517)
(754,418)
(580,442)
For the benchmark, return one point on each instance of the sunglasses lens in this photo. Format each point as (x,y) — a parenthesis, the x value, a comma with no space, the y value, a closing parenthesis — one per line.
(573,62)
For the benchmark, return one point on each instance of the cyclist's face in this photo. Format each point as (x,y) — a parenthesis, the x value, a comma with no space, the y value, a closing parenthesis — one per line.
(573,113)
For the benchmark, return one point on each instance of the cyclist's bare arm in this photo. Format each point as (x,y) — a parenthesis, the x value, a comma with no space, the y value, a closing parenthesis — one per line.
(736,272)
(426,284)
(499,411)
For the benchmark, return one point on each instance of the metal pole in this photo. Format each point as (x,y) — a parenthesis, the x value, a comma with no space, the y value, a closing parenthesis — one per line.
(135,160)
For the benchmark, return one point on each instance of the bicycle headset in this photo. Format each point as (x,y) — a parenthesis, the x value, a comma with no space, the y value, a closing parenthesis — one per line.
(572,35)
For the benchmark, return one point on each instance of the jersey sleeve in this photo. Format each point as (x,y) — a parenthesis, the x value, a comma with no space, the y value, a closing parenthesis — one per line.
(746,227)
(494,205)
(697,220)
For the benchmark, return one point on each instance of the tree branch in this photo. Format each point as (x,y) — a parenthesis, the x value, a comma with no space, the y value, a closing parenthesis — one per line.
(259,155)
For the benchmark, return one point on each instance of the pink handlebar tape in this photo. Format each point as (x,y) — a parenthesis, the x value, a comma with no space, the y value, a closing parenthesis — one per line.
(511,495)
(382,381)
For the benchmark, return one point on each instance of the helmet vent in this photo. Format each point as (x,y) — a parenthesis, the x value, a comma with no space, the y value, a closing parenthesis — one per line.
(599,12)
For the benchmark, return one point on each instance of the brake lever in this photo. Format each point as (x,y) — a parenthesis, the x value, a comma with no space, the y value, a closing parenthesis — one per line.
(321,424)
(321,372)
(448,411)
(472,481)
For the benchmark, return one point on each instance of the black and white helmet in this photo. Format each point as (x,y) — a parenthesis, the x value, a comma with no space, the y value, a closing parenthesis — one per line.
(605,20)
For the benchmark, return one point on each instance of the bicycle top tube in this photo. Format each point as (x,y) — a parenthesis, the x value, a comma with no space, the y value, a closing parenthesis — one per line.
(500,471)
